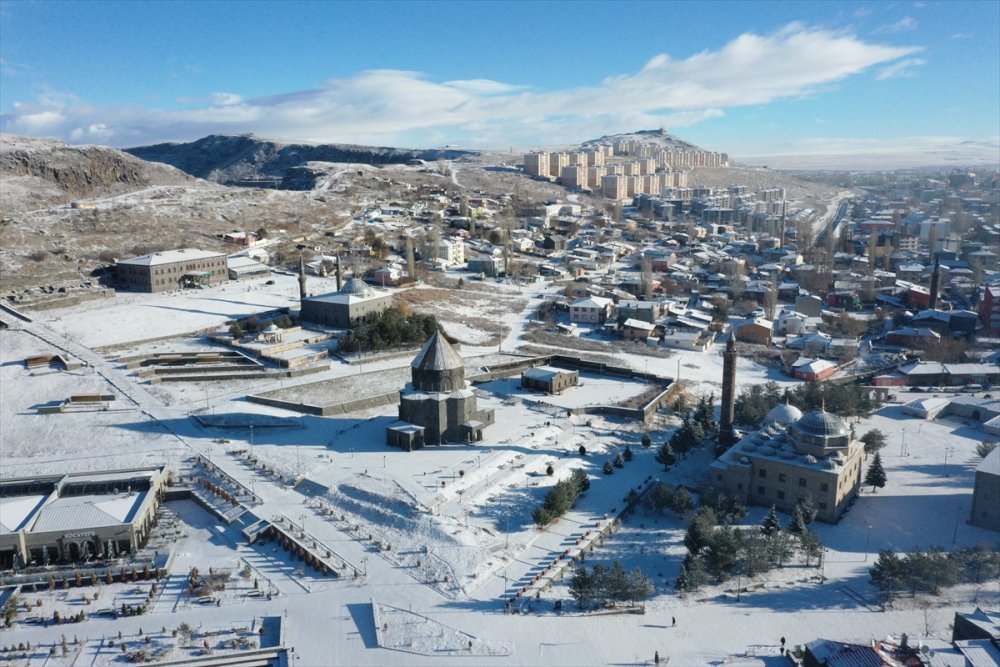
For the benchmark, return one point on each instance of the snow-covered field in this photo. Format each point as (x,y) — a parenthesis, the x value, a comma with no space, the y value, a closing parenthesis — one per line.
(443,535)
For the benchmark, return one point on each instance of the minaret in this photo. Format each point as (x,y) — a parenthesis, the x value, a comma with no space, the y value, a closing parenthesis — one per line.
(338,274)
(935,282)
(302,279)
(726,435)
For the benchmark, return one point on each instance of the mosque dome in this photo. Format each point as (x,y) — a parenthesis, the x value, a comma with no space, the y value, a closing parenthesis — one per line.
(783,414)
(357,287)
(822,424)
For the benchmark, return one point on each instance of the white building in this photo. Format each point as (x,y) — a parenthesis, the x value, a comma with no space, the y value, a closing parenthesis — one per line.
(590,309)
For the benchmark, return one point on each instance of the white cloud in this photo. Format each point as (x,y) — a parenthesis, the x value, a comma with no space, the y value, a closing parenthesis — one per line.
(900,69)
(407,108)
(904,24)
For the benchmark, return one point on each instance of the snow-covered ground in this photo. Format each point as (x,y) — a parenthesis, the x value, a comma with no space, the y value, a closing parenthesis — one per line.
(443,535)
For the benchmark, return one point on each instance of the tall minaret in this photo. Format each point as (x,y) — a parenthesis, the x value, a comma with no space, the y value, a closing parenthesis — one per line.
(935,282)
(338,274)
(726,435)
(302,279)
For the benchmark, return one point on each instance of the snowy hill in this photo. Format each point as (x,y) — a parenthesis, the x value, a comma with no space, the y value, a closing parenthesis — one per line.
(659,137)
(232,158)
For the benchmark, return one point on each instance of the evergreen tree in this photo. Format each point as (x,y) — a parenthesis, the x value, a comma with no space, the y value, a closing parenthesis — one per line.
(619,461)
(771,524)
(640,586)
(700,530)
(608,468)
(722,552)
(873,440)
(646,440)
(811,545)
(627,454)
(808,506)
(887,575)
(581,586)
(797,526)
(876,474)
(681,501)
(665,455)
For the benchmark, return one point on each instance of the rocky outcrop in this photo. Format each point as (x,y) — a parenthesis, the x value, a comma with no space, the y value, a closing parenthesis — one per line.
(237,159)
(79,171)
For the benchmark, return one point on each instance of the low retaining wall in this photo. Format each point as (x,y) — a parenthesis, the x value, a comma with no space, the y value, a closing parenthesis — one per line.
(392,398)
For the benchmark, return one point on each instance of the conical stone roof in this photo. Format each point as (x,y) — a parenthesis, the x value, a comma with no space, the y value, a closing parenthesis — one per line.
(437,355)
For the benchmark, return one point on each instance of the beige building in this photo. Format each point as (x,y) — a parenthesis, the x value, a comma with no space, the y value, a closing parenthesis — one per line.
(536,164)
(574,176)
(172,269)
(646,166)
(614,186)
(794,456)
(595,158)
(452,251)
(557,162)
(594,176)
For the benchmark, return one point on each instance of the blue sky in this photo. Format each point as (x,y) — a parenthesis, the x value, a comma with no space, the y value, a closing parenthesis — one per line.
(750,78)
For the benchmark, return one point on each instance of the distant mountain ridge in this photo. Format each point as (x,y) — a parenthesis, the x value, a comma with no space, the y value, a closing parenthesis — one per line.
(233,158)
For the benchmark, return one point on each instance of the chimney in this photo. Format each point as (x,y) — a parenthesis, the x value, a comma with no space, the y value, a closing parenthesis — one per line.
(302,278)
(935,282)
(338,273)
(726,435)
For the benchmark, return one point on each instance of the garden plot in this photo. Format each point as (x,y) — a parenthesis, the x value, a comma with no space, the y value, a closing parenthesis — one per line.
(404,630)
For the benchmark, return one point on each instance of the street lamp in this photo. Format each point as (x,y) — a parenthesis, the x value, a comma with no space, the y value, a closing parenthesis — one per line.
(902,442)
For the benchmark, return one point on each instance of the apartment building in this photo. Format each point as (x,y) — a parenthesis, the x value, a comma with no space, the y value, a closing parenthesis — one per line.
(557,161)
(536,164)
(574,176)
(594,176)
(614,186)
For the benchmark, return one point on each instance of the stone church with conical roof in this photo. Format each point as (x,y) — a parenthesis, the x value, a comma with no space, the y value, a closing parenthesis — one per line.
(437,405)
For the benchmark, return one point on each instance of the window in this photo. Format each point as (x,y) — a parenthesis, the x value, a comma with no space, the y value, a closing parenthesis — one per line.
(782,477)
(822,505)
(824,487)
(718,477)
(781,495)
(802,481)
(762,473)
(740,486)
(760,491)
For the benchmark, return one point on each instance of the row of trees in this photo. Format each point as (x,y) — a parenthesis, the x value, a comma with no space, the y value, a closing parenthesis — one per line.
(392,328)
(561,498)
(718,552)
(694,429)
(848,400)
(662,497)
(928,571)
(603,586)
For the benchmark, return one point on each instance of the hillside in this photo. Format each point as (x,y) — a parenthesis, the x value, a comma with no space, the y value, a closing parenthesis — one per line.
(39,173)
(232,159)
(661,138)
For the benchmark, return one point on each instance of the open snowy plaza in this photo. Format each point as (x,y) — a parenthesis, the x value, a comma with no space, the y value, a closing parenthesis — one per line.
(432,555)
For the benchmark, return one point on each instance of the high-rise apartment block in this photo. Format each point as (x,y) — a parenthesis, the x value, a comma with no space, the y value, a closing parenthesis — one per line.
(557,161)
(614,186)
(573,176)
(594,176)
(536,164)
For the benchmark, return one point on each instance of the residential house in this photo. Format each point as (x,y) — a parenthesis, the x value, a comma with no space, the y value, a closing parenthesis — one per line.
(590,309)
(756,330)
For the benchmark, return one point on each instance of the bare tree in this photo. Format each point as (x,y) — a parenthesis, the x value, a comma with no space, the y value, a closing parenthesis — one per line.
(646,276)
